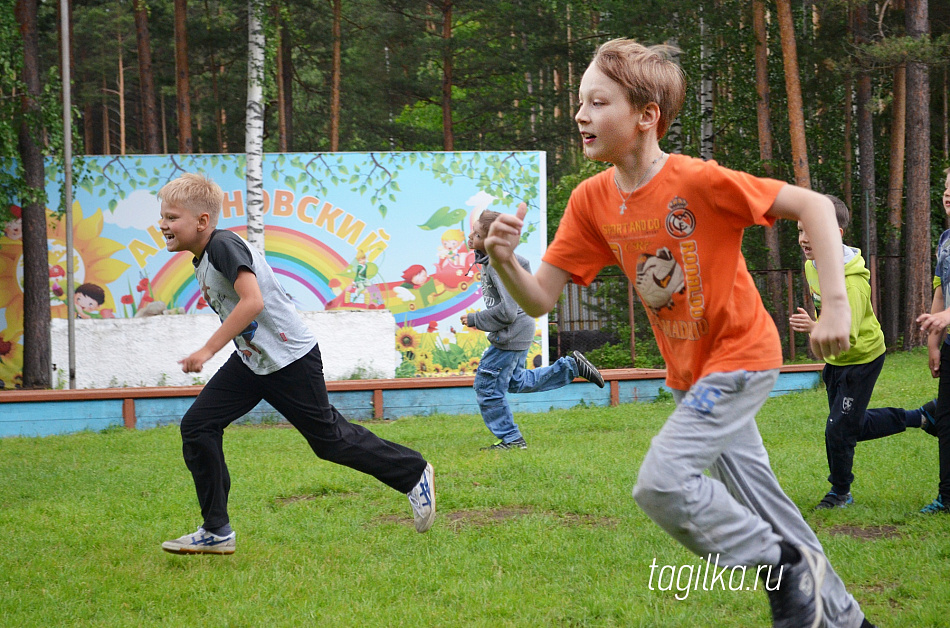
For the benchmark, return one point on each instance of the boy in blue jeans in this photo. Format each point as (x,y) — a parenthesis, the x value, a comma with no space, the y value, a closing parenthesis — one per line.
(849,377)
(276,359)
(511,332)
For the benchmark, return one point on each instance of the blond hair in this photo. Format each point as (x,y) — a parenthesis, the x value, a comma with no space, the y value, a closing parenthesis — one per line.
(453,234)
(649,74)
(196,193)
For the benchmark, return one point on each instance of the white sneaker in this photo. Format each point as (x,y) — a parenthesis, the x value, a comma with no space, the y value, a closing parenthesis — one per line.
(422,500)
(201,542)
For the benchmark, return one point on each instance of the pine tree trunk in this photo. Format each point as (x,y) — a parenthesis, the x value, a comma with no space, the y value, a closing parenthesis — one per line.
(106,124)
(448,137)
(337,69)
(121,93)
(763,112)
(215,69)
(917,255)
(796,116)
(146,80)
(182,81)
(37,356)
(254,132)
(892,317)
(285,85)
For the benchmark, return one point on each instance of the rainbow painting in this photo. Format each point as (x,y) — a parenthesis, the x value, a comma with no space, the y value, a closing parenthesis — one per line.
(292,254)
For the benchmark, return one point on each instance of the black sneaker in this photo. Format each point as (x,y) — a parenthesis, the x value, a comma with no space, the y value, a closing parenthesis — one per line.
(928,419)
(587,370)
(833,500)
(794,591)
(517,443)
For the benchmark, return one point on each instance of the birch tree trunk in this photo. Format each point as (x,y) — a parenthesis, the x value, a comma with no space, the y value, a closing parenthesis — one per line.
(917,256)
(892,319)
(796,116)
(705,96)
(254,130)
(868,204)
(37,356)
(763,111)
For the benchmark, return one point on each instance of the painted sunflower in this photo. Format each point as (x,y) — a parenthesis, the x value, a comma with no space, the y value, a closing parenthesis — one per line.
(407,339)
(92,256)
(424,365)
(534,357)
(11,358)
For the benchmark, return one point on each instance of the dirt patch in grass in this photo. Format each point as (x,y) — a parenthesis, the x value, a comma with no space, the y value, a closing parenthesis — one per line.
(292,499)
(480,517)
(869,533)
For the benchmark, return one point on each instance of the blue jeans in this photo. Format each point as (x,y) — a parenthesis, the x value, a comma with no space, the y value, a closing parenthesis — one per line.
(501,371)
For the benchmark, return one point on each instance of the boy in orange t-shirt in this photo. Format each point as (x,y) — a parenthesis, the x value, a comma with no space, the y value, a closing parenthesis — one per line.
(675,224)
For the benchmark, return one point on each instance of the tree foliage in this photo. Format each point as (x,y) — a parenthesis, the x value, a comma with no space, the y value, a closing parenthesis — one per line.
(514,70)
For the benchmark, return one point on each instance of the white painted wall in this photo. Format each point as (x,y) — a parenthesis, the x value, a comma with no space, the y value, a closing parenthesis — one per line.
(145,351)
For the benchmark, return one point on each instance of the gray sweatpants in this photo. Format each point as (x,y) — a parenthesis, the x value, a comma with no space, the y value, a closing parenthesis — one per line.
(741,512)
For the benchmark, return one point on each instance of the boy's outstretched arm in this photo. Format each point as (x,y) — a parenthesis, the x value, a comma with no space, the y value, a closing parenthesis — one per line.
(935,324)
(830,335)
(250,304)
(537,294)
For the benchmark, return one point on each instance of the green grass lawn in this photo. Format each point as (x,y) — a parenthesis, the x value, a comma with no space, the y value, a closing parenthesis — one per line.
(549,536)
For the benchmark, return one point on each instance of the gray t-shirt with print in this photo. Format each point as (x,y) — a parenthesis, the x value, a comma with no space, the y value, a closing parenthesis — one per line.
(278,336)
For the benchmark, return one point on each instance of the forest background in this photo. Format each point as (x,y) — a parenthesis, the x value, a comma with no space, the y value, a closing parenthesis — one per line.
(845,97)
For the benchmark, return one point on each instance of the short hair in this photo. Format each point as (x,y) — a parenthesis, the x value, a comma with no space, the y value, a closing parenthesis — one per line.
(842,213)
(649,74)
(196,193)
(486,218)
(94,292)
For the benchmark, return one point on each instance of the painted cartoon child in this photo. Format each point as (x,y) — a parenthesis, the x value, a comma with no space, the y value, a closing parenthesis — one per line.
(360,279)
(14,228)
(451,250)
(417,278)
(87,300)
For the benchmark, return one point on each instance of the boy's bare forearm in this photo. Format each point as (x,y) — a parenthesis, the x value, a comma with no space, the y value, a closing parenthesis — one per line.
(831,334)
(536,294)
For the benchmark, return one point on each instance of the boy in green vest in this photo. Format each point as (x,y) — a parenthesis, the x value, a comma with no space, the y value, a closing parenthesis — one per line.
(850,376)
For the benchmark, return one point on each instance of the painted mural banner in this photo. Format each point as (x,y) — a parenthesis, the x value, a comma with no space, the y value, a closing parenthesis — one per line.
(343,231)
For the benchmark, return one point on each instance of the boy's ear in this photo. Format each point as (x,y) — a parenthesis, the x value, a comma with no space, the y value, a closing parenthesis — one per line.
(204,221)
(650,117)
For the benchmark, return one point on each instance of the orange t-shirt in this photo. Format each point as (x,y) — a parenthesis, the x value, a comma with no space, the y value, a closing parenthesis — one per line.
(680,241)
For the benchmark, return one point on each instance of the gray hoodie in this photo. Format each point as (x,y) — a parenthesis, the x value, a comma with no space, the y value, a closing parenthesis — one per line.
(508,327)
